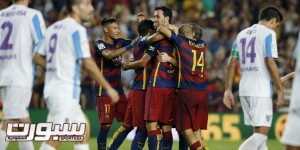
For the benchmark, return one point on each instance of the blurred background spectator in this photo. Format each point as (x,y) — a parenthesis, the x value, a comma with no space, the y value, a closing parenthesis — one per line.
(220,19)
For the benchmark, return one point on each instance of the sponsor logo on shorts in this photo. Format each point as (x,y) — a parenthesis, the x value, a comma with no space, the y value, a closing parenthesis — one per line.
(45,131)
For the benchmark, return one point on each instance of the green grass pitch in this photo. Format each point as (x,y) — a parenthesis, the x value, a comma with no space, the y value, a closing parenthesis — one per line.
(212,145)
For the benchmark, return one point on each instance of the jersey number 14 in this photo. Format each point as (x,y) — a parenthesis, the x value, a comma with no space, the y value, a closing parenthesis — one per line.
(248,49)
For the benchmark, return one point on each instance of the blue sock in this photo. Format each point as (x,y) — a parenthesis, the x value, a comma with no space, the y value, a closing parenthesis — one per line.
(139,139)
(102,137)
(167,141)
(153,139)
(119,137)
(182,143)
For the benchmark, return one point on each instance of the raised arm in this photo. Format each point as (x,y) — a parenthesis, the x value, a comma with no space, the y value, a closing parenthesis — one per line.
(138,63)
(165,31)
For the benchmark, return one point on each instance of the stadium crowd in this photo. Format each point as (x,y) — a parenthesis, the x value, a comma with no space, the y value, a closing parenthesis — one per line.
(221,20)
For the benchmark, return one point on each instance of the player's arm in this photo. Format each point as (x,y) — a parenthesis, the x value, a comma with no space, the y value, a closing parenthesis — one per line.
(142,62)
(273,70)
(228,98)
(164,57)
(39,60)
(165,31)
(287,77)
(155,37)
(270,54)
(90,66)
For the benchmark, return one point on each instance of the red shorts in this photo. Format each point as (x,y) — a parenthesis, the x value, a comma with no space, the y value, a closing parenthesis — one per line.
(159,105)
(135,109)
(107,111)
(192,110)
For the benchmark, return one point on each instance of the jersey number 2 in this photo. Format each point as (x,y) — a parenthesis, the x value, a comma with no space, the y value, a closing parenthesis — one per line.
(8,27)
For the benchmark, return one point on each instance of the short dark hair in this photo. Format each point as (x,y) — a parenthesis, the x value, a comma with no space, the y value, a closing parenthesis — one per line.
(145,26)
(197,29)
(166,11)
(269,13)
(107,21)
(70,3)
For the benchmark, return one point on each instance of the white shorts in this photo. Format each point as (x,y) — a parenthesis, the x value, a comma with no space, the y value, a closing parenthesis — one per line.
(15,101)
(258,111)
(291,134)
(64,110)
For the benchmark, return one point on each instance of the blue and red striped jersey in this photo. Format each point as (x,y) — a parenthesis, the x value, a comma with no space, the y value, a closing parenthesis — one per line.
(192,66)
(111,68)
(163,74)
(142,74)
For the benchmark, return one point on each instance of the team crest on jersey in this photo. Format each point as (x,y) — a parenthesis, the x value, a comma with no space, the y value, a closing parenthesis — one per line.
(101,46)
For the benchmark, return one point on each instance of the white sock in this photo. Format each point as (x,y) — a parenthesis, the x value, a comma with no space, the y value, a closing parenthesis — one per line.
(26,145)
(263,146)
(3,143)
(81,147)
(253,142)
(46,146)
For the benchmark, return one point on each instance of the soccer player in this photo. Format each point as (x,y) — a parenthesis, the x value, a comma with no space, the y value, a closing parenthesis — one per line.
(255,49)
(22,30)
(291,135)
(109,56)
(136,107)
(65,49)
(160,93)
(192,105)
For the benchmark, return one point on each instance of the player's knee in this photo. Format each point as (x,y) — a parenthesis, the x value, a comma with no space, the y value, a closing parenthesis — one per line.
(262,130)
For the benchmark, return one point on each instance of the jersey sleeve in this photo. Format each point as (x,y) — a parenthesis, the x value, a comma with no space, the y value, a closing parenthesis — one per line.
(41,48)
(270,46)
(38,29)
(81,44)
(176,39)
(234,50)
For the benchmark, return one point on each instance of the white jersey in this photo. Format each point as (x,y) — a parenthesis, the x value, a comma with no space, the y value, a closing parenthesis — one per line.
(21,30)
(252,46)
(65,44)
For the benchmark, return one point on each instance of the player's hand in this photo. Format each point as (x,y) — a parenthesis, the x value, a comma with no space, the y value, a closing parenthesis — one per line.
(125,65)
(163,57)
(228,99)
(113,94)
(280,98)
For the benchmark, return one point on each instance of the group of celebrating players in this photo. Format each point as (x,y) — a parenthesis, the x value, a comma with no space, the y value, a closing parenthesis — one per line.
(168,89)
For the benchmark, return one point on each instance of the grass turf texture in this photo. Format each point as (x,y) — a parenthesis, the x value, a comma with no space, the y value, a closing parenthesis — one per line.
(212,145)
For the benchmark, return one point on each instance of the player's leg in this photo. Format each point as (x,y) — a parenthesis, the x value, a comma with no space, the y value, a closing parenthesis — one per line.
(105,116)
(153,106)
(167,117)
(166,142)
(291,135)
(139,139)
(15,100)
(123,113)
(138,111)
(182,142)
(257,113)
(84,145)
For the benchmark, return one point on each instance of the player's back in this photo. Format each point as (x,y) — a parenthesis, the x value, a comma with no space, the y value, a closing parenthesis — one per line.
(65,44)
(21,30)
(252,46)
